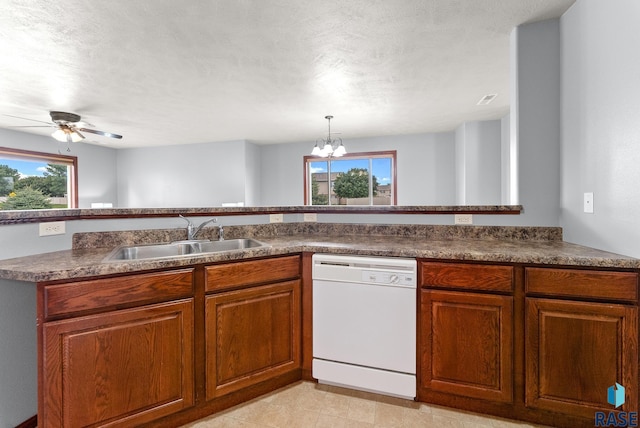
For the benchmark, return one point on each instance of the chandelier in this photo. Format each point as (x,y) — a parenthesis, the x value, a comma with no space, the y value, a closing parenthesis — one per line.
(330,147)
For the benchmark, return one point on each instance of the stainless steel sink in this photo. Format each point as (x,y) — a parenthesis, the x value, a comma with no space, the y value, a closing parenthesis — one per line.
(227,245)
(180,248)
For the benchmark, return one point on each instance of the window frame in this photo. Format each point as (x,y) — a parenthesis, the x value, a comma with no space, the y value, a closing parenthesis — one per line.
(392,154)
(72,161)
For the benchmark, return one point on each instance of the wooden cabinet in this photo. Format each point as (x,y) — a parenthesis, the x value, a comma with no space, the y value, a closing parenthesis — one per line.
(253,333)
(575,350)
(467,344)
(466,336)
(116,351)
(161,349)
(119,368)
(164,348)
(537,343)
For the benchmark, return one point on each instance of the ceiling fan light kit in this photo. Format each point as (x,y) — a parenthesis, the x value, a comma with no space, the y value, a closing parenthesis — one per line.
(330,147)
(69,127)
(67,135)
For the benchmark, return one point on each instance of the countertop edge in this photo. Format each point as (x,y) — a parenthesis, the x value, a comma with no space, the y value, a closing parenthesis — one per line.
(35,216)
(80,264)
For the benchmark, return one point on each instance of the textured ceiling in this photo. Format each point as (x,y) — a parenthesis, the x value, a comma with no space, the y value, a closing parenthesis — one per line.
(176,72)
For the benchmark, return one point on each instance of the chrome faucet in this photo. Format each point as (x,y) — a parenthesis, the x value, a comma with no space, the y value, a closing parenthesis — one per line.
(193,230)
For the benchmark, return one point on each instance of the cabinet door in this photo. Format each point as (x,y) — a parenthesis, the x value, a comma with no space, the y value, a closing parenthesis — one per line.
(467,344)
(251,335)
(575,351)
(120,368)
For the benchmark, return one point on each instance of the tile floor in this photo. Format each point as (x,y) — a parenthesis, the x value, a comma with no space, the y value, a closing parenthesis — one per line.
(306,404)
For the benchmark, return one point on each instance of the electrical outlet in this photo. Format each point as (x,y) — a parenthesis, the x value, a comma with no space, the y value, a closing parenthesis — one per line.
(310,217)
(588,202)
(463,218)
(52,228)
(276,218)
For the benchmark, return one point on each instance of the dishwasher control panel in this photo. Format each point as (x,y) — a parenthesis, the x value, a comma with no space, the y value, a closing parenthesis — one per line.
(397,278)
(399,272)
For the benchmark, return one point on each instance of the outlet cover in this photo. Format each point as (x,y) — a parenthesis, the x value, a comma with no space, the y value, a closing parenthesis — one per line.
(276,218)
(52,228)
(463,219)
(310,217)
(588,202)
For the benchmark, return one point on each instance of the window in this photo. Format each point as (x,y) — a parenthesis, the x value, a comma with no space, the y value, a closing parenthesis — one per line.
(354,179)
(34,180)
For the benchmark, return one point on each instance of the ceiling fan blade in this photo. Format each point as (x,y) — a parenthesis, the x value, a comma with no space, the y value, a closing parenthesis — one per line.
(31,126)
(103,133)
(24,118)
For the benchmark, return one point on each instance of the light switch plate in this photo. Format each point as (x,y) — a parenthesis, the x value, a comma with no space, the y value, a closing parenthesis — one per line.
(52,228)
(588,202)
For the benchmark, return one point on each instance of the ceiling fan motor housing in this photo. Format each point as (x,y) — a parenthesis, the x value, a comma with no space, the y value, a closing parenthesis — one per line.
(63,117)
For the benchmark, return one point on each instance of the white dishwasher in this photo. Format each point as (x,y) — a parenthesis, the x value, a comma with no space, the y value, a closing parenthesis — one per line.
(364,323)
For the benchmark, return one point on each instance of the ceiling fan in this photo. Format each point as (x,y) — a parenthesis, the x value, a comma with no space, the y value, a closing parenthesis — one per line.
(69,127)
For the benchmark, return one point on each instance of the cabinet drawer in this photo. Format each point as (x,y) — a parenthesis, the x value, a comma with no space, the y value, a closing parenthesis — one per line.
(122,291)
(582,283)
(230,275)
(467,276)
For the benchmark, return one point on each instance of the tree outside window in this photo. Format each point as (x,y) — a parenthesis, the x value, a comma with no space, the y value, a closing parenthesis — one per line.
(8,178)
(354,184)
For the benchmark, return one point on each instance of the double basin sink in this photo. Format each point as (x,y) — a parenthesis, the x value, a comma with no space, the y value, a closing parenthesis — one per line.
(180,248)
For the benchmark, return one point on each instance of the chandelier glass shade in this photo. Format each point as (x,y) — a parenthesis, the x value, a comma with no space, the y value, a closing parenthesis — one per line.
(329,147)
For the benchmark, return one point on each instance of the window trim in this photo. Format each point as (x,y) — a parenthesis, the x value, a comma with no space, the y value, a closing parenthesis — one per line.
(380,154)
(18,154)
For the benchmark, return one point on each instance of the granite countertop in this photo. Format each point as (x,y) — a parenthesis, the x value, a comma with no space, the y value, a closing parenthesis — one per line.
(88,262)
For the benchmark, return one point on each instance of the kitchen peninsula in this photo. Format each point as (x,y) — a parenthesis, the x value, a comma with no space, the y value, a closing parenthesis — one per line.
(503,307)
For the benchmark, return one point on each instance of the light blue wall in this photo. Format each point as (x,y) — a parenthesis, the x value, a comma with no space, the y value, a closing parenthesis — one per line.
(282,186)
(508,162)
(18,352)
(253,172)
(535,119)
(601,124)
(478,163)
(425,168)
(192,175)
